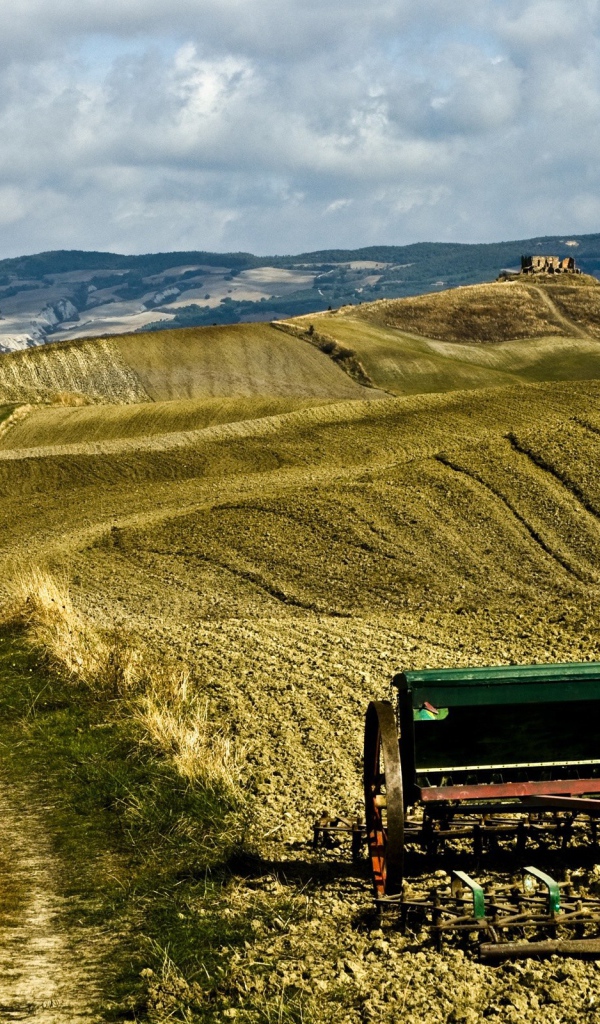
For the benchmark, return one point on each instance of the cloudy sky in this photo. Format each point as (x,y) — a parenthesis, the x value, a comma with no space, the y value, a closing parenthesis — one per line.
(278,126)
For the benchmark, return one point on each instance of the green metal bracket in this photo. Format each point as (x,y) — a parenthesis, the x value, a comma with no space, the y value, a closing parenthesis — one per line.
(548,882)
(460,878)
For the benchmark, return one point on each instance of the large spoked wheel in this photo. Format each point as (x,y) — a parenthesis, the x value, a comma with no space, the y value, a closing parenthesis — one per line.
(384,804)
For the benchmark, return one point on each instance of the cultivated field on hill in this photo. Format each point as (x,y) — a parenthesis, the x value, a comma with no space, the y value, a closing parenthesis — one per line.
(241,360)
(472,337)
(250,568)
(36,426)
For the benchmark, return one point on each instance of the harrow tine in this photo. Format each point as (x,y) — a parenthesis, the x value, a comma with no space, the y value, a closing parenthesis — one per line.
(548,882)
(461,878)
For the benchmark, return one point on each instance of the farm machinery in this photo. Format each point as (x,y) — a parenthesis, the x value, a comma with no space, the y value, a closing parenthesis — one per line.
(485,760)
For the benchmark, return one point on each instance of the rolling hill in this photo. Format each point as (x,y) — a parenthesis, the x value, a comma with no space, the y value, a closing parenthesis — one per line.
(471,337)
(235,505)
(240,360)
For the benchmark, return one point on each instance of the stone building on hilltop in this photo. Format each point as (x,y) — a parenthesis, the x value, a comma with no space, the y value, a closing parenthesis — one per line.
(548,265)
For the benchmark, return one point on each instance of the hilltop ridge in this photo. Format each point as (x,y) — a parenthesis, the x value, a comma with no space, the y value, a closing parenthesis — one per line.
(469,337)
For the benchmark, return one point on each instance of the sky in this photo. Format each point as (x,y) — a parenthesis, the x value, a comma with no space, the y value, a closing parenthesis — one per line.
(282,126)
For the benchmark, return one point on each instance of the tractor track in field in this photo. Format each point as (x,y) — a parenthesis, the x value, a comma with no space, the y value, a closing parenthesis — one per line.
(258,581)
(49,969)
(586,425)
(563,320)
(532,532)
(538,460)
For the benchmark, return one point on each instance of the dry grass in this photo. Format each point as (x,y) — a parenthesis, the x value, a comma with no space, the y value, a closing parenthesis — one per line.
(159,695)
(68,399)
(40,602)
(183,730)
(478,313)
(582,305)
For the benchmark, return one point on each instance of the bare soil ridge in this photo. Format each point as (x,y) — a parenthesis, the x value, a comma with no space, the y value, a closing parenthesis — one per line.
(245,360)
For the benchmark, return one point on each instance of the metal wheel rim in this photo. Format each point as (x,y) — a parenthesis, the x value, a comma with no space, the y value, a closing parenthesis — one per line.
(385,833)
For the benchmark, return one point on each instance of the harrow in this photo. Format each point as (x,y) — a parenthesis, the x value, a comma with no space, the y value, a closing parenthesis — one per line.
(488,759)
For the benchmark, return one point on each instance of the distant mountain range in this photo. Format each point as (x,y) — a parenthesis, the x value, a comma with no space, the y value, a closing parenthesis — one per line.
(65,294)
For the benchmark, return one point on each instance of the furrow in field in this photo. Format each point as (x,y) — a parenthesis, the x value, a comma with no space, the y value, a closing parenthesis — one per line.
(569,452)
(408,537)
(528,449)
(550,515)
(255,578)
(94,370)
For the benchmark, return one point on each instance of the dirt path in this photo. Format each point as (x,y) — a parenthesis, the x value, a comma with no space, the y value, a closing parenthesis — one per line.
(47,971)
(570,325)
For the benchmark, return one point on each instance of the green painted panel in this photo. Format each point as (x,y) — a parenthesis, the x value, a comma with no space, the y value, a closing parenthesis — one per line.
(504,684)
(527,734)
(507,693)
(459,880)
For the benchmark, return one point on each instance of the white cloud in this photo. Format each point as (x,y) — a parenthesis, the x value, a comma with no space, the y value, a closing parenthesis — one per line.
(337,205)
(135,125)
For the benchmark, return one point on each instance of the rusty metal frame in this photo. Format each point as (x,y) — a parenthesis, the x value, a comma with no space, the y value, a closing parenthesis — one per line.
(509,790)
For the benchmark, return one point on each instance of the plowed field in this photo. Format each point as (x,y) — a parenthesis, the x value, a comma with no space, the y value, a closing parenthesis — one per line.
(241,360)
(296,561)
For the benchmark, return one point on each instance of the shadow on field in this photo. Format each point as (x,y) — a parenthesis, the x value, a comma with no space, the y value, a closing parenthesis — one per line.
(335,868)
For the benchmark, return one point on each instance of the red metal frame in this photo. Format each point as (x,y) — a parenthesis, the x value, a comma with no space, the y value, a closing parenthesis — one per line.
(491,791)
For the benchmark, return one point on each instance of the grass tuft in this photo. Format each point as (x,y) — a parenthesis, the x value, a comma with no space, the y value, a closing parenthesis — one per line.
(182,729)
(69,645)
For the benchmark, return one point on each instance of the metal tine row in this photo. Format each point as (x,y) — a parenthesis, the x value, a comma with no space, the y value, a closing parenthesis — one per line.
(486,834)
(540,905)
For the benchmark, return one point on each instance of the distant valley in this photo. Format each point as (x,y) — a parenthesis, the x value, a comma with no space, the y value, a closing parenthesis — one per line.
(63,295)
